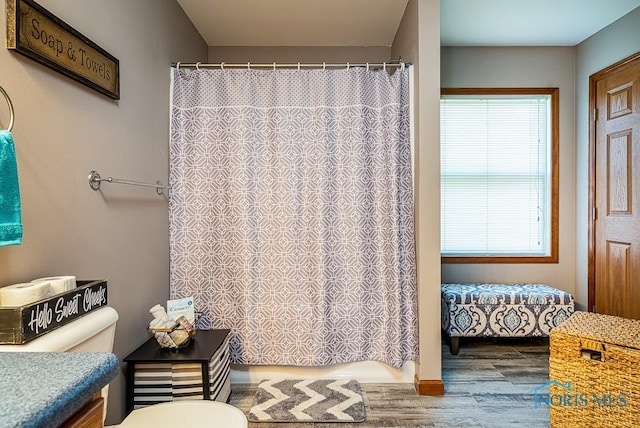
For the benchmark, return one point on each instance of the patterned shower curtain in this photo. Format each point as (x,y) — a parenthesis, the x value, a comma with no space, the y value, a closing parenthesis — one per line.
(291,212)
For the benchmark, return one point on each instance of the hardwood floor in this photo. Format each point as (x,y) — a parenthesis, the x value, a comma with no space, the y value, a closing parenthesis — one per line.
(490,383)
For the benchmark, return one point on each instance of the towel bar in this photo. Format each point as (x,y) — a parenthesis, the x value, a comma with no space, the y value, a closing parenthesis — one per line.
(95,181)
(11,112)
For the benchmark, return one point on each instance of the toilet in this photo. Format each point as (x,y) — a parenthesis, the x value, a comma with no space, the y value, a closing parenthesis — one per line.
(186,413)
(93,332)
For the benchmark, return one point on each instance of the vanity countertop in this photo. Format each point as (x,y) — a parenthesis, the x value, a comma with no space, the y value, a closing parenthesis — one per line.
(42,389)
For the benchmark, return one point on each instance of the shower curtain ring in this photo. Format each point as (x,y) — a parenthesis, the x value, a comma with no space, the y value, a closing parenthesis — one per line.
(222,65)
(248,66)
(178,65)
(298,66)
(324,65)
(384,66)
(198,65)
(367,66)
(348,66)
(274,66)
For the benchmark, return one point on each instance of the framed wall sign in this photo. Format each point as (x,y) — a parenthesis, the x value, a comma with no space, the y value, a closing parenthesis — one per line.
(36,33)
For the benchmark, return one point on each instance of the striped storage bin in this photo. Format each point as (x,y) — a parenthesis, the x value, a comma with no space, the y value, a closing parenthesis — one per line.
(594,371)
(198,371)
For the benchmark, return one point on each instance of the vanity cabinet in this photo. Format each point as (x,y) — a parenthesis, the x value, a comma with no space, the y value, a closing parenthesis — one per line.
(90,415)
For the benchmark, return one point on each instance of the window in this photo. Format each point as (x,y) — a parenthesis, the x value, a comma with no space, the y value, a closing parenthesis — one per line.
(499,175)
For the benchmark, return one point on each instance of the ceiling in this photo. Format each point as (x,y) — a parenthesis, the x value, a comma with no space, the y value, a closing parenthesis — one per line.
(374,22)
(527,22)
(296,22)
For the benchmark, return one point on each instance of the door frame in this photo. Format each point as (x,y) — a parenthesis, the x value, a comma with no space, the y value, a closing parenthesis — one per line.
(593,82)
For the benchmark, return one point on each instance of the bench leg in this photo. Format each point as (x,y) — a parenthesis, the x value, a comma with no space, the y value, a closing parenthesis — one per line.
(454,345)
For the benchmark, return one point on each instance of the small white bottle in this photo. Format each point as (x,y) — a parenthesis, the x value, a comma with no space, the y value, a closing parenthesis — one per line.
(160,317)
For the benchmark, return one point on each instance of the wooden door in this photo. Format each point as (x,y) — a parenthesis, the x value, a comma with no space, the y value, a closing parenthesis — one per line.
(616,201)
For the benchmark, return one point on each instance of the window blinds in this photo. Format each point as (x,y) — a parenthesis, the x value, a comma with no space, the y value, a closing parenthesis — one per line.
(495,175)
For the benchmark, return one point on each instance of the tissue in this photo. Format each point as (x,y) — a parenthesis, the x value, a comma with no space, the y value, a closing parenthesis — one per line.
(59,284)
(25,293)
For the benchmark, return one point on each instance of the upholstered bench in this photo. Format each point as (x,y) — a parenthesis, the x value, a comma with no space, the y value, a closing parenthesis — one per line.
(502,310)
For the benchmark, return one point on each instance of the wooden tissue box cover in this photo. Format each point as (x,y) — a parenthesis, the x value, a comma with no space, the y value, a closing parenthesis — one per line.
(21,324)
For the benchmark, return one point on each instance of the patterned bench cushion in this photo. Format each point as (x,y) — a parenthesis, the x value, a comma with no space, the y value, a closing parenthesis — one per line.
(503,310)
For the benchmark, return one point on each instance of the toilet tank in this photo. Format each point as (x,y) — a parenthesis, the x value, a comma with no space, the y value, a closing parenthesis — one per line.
(93,332)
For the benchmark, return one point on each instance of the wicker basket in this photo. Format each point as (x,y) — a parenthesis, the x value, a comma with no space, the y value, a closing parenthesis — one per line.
(166,336)
(594,367)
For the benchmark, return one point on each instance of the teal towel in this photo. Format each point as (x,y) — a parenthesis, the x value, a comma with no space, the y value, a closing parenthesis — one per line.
(10,221)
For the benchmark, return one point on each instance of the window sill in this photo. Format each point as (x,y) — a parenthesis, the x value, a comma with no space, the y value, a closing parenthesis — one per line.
(500,259)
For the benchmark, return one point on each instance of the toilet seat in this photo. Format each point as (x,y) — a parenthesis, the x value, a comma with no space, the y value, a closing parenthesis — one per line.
(186,413)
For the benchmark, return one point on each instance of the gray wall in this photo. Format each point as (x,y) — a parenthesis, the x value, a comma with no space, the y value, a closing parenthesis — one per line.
(418,41)
(524,67)
(610,45)
(295,54)
(63,130)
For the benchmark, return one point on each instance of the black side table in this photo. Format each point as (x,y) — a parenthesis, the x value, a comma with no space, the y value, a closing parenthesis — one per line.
(198,371)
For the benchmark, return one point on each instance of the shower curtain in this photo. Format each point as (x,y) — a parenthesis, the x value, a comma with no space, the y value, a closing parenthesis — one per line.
(291,212)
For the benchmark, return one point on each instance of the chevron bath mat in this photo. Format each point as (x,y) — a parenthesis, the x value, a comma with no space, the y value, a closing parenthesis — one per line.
(308,401)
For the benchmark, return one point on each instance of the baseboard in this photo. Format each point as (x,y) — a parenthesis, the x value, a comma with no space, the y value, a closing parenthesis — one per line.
(429,387)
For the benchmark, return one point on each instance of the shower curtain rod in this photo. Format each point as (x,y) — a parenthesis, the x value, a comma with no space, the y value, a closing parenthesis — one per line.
(294,65)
